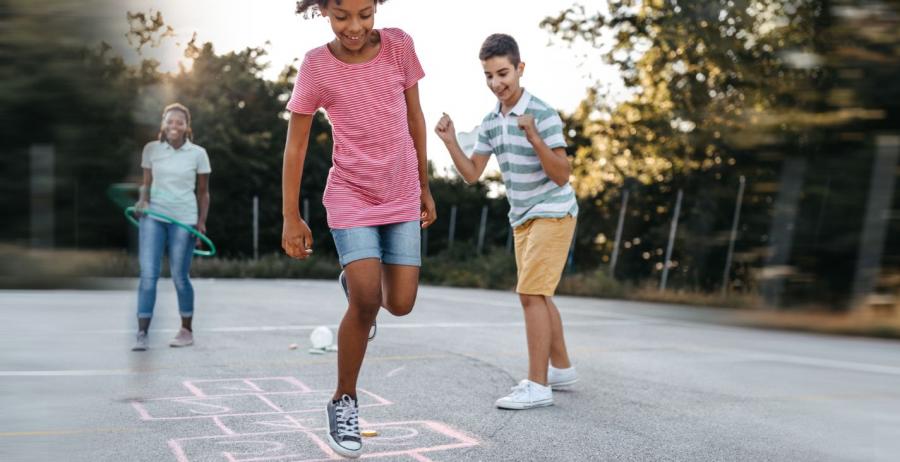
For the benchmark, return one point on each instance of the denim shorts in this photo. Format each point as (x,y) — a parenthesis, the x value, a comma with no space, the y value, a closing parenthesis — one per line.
(393,244)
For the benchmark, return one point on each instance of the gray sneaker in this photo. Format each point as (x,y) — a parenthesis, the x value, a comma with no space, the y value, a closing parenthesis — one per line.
(342,278)
(140,343)
(183,338)
(343,427)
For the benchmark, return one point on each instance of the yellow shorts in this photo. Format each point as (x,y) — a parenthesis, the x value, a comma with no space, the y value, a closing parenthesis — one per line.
(542,247)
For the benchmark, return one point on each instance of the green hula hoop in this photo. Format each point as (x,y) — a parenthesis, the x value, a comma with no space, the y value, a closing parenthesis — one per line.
(203,253)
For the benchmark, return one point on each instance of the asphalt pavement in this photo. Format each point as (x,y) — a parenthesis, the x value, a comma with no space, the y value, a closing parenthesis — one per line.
(657,382)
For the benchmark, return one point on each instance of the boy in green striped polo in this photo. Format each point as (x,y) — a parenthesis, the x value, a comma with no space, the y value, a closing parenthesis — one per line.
(526,136)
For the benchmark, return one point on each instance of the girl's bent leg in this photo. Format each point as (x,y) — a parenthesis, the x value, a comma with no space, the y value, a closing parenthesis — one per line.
(538,333)
(401,247)
(151,243)
(400,284)
(364,277)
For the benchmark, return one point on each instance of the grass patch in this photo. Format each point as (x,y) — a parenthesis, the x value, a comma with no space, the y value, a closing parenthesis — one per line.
(458,267)
(65,269)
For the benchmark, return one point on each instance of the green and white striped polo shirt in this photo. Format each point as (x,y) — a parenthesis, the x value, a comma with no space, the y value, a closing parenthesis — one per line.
(530,191)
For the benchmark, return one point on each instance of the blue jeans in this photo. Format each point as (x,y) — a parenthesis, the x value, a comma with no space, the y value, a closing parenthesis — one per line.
(155,237)
(393,244)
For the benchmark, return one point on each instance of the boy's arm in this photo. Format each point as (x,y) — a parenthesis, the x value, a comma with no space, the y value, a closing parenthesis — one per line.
(296,238)
(470,169)
(416,121)
(554,161)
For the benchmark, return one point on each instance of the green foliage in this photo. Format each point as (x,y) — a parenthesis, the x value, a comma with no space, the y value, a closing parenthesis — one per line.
(240,119)
(469,200)
(457,267)
(98,113)
(270,266)
(54,91)
(732,88)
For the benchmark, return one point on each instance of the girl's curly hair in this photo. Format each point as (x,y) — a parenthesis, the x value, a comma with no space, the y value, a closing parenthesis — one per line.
(305,7)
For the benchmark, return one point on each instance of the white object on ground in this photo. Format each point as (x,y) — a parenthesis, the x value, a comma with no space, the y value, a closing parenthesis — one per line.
(321,337)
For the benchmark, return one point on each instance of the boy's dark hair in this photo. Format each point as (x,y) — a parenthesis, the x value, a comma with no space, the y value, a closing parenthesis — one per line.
(304,7)
(500,45)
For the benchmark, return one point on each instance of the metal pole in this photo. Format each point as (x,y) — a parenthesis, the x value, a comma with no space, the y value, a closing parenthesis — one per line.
(618,239)
(75,210)
(876,223)
(672,230)
(256,227)
(785,213)
(452,227)
(306,210)
(481,228)
(734,230)
(41,158)
(509,240)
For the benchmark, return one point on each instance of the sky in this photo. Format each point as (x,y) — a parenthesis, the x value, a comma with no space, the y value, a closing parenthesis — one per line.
(447,35)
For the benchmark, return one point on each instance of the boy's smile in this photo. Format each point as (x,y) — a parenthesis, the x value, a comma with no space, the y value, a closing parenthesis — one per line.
(503,80)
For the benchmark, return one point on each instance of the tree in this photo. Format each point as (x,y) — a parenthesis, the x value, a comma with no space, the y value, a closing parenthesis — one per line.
(56,91)
(735,87)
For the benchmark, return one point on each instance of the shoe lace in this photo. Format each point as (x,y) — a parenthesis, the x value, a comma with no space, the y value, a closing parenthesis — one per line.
(520,389)
(347,416)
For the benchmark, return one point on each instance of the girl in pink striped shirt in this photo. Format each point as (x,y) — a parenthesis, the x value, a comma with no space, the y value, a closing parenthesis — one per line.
(377,195)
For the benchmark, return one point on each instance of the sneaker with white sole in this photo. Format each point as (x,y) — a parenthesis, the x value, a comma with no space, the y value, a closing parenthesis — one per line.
(342,278)
(559,379)
(343,427)
(183,338)
(526,395)
(141,342)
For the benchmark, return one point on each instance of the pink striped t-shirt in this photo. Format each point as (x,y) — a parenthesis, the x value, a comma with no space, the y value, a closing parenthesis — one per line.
(374,179)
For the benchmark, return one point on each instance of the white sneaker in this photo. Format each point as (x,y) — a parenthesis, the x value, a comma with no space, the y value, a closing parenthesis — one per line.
(526,395)
(141,342)
(183,338)
(559,379)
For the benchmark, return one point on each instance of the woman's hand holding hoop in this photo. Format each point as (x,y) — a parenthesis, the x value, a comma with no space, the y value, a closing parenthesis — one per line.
(202,228)
(133,211)
(296,238)
(139,208)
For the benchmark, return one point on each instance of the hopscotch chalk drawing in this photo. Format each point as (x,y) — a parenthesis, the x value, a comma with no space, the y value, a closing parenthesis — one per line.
(280,419)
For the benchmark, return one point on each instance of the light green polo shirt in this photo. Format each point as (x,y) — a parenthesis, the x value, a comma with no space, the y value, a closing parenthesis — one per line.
(530,191)
(173,191)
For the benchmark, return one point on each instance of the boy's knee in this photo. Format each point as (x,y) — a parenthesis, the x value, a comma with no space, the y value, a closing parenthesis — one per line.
(529,300)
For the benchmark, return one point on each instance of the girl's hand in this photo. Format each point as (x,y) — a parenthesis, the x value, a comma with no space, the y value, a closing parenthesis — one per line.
(429,212)
(296,238)
(445,129)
